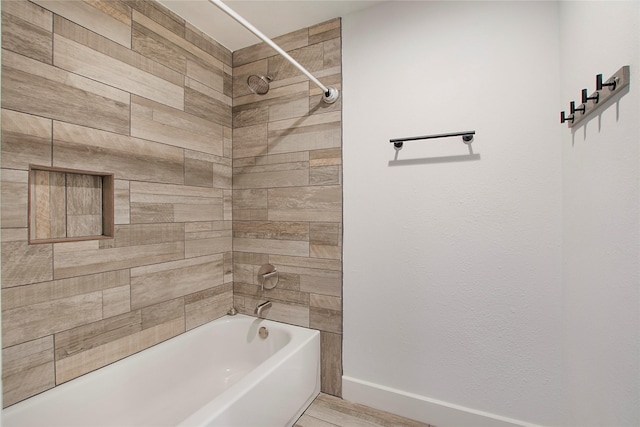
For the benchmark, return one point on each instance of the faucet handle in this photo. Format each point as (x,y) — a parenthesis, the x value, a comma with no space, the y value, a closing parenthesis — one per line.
(268,277)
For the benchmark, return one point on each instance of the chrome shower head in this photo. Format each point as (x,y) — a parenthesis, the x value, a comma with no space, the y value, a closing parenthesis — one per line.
(258,84)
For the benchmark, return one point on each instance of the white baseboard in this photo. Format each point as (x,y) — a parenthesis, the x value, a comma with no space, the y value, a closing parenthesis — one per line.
(421,408)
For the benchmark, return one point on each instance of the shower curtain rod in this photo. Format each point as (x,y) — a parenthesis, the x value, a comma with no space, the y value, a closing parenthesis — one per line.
(330,94)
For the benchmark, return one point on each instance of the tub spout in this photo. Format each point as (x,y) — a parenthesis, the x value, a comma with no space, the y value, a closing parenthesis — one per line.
(261,307)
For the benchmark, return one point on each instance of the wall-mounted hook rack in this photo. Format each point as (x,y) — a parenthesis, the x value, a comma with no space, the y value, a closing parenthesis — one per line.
(467,137)
(590,103)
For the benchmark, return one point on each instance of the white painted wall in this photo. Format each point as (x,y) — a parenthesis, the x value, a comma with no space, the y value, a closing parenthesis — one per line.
(452,269)
(601,211)
(503,290)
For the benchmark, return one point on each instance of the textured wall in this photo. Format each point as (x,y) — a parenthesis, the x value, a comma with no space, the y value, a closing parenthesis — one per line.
(452,260)
(128,88)
(287,187)
(601,220)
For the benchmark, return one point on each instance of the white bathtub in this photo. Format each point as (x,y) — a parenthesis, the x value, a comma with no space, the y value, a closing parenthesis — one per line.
(220,374)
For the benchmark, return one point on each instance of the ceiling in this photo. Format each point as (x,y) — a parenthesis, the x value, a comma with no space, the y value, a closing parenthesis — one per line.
(273,18)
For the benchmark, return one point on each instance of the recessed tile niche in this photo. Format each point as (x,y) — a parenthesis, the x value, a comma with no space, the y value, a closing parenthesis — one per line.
(69,205)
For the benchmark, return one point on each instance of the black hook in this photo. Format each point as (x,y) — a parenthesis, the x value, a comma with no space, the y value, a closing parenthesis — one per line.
(564,118)
(582,107)
(585,98)
(612,83)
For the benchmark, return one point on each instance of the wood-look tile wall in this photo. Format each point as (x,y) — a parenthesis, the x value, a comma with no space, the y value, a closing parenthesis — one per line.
(287,188)
(128,88)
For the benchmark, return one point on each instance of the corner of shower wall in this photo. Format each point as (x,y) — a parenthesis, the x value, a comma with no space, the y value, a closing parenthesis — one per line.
(287,187)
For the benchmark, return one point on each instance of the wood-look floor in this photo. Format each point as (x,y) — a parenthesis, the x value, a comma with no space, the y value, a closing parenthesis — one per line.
(328,411)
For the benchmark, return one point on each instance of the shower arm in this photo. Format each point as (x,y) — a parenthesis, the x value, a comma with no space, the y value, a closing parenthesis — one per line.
(330,94)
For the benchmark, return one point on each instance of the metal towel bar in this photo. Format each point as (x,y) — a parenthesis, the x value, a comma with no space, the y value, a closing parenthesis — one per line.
(467,137)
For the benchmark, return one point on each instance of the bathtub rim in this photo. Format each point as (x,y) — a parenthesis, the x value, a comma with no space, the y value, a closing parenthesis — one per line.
(304,336)
(215,408)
